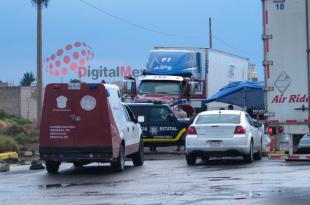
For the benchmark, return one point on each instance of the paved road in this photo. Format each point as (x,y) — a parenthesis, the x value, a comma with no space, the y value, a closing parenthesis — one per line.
(164,179)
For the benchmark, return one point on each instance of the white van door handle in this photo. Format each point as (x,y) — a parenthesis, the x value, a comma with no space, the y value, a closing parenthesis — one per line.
(133,128)
(127,129)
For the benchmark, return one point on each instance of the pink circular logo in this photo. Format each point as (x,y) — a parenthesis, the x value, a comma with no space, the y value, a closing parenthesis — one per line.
(69,58)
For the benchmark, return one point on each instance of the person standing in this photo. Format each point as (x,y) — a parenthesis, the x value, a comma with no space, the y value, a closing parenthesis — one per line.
(179,113)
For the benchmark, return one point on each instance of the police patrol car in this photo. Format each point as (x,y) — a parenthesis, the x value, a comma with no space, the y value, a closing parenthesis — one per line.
(160,125)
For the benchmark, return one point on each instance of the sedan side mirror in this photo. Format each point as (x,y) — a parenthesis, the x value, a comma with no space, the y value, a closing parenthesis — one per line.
(256,124)
(170,117)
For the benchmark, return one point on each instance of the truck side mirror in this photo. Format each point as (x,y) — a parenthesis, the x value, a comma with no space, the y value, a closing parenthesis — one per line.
(129,87)
(196,88)
(188,91)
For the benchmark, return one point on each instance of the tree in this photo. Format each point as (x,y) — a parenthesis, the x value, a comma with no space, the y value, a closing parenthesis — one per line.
(27,79)
(42,2)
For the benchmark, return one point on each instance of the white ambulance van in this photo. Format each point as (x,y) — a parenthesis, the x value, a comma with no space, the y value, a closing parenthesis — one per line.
(83,123)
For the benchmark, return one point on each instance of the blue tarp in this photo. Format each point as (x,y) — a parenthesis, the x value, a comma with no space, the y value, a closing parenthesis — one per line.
(173,62)
(245,94)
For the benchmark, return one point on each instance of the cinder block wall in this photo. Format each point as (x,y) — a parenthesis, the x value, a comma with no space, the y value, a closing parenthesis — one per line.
(28,103)
(10,100)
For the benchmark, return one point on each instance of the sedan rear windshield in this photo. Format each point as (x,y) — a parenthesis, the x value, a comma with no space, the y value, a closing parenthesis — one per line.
(218,119)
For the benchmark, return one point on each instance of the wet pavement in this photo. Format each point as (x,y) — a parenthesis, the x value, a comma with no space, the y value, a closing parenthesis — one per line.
(165,178)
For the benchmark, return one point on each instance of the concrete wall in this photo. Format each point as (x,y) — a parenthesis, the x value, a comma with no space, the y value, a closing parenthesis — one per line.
(28,103)
(19,101)
(10,100)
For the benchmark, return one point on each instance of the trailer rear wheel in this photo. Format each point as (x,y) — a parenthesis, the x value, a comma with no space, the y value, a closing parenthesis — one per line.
(119,164)
(78,164)
(205,158)
(52,167)
(138,157)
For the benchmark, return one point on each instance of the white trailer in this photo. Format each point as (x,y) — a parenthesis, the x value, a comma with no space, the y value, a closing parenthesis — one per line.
(224,68)
(286,63)
(211,69)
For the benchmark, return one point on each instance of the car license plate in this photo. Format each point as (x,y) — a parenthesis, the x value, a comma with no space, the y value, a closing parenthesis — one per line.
(215,143)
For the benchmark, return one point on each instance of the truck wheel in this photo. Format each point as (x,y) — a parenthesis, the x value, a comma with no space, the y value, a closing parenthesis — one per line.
(52,167)
(249,158)
(191,159)
(205,158)
(119,165)
(138,157)
(77,164)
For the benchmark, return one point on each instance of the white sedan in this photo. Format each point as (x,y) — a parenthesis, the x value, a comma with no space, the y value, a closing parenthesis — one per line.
(223,133)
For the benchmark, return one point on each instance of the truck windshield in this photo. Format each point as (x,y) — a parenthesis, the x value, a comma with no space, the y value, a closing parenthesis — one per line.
(160,87)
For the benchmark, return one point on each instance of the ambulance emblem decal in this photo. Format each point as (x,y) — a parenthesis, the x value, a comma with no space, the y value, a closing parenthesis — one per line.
(88,103)
(61,102)
(283,82)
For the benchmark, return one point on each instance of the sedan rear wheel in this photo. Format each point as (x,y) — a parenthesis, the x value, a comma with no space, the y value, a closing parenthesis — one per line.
(249,158)
(191,159)
(258,155)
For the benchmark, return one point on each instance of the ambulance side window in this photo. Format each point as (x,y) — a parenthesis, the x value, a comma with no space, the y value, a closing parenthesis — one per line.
(125,113)
(130,113)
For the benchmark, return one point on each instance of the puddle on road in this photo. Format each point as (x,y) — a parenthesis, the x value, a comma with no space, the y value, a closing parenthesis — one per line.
(231,192)
(67,185)
(51,186)
(221,188)
(221,178)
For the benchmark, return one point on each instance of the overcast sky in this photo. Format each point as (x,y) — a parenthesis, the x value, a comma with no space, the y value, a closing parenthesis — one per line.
(121,33)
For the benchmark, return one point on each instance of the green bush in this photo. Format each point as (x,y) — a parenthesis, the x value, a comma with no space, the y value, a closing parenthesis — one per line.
(16,133)
(13,130)
(20,121)
(3,114)
(8,144)
(12,118)
(23,138)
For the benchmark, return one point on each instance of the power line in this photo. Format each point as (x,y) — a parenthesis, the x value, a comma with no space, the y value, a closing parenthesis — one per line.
(140,26)
(231,46)
(157,31)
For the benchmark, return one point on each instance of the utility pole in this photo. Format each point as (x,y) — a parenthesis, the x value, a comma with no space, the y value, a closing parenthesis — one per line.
(39,4)
(39,62)
(210,32)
